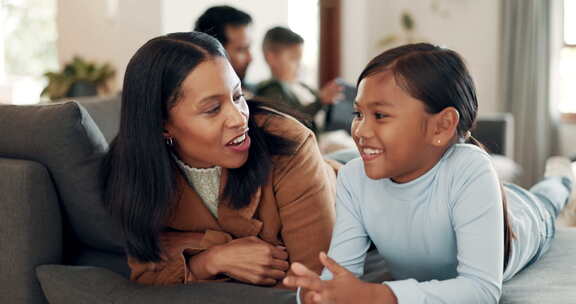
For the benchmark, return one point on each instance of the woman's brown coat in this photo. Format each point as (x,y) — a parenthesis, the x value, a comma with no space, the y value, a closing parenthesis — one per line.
(295,209)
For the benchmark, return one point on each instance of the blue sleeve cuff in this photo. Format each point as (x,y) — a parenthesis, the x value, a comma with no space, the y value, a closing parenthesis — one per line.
(406,291)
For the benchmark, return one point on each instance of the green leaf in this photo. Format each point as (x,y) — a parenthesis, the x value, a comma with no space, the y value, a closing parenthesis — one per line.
(407,21)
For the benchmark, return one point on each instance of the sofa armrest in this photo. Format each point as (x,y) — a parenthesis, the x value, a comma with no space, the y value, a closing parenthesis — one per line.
(30,229)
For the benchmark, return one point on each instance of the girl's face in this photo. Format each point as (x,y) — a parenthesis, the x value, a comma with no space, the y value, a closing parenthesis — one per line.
(392,130)
(209,122)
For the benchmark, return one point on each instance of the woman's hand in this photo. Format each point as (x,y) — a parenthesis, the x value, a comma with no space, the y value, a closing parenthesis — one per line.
(343,288)
(249,260)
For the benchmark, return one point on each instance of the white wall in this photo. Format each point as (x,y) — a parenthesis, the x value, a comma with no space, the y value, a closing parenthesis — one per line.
(354,41)
(469,27)
(180,15)
(106,31)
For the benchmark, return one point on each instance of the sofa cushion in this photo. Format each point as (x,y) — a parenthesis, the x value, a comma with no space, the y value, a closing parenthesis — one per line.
(99,285)
(30,229)
(64,138)
(550,280)
(105,111)
(82,284)
(94,285)
(93,257)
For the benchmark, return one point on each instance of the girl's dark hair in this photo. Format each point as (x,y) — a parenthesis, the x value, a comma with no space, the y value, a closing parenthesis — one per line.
(139,175)
(439,78)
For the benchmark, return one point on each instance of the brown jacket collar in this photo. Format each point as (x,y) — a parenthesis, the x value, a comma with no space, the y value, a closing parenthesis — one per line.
(191,214)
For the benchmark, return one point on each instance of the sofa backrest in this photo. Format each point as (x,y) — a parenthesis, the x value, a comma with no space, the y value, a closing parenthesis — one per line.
(105,111)
(64,138)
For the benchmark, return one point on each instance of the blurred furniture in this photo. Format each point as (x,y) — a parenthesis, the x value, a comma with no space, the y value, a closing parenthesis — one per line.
(496,132)
(339,115)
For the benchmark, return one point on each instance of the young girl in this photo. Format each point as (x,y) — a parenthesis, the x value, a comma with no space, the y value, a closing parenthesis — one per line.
(429,201)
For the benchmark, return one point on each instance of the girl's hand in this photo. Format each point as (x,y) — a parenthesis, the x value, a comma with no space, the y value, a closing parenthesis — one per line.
(308,280)
(343,288)
(249,260)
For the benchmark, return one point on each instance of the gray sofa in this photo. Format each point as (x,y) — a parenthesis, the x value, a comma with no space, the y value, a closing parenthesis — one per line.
(58,245)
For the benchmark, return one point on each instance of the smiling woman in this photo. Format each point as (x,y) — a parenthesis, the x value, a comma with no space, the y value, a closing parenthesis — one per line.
(207,185)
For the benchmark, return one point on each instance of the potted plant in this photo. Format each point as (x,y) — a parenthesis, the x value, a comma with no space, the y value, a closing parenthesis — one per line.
(78,78)
(408,26)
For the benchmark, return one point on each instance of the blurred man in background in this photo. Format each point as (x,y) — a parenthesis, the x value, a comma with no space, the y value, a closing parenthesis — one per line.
(232,27)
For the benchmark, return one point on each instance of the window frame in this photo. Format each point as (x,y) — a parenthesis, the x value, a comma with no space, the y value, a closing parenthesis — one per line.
(566,44)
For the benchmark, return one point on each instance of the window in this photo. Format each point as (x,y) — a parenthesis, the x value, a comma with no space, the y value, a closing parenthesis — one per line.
(303,19)
(27,48)
(569,22)
(567,64)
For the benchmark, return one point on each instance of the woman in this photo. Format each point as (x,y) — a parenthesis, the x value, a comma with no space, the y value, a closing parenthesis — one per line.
(206,185)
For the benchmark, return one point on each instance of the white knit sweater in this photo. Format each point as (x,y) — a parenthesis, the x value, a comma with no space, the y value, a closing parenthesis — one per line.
(206,182)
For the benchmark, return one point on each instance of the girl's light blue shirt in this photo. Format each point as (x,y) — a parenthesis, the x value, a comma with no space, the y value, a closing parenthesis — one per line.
(440,234)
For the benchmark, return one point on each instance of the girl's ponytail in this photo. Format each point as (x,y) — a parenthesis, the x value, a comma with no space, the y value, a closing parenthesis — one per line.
(508,232)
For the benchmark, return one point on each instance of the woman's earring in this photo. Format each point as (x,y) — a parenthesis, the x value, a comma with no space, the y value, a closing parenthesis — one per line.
(170,141)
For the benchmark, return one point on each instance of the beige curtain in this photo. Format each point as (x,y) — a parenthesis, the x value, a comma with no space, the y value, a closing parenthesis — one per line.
(526,26)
